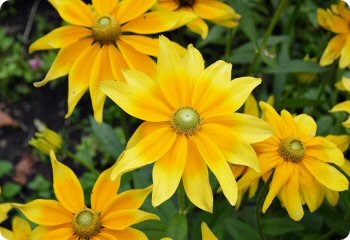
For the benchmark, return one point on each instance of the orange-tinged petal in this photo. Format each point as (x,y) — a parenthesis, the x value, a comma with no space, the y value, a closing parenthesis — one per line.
(60,37)
(333,50)
(104,7)
(79,77)
(38,232)
(344,60)
(247,179)
(327,175)
(168,170)
(305,125)
(131,9)
(60,233)
(199,26)
(143,44)
(291,127)
(214,10)
(64,60)
(338,24)
(67,187)
(279,179)
(75,12)
(146,151)
(103,235)
(133,102)
(104,191)
(207,233)
(123,219)
(218,165)
(131,199)
(137,60)
(21,228)
(342,107)
(45,212)
(311,190)
(117,62)
(292,196)
(344,10)
(128,233)
(195,179)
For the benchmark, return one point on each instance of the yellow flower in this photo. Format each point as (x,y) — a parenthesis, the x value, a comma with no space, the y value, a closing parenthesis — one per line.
(21,230)
(211,10)
(206,233)
(306,77)
(100,40)
(4,209)
(299,161)
(190,124)
(337,20)
(343,85)
(109,217)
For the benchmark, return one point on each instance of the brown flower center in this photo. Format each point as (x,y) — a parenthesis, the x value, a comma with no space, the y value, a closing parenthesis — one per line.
(86,224)
(185,3)
(106,30)
(186,121)
(292,149)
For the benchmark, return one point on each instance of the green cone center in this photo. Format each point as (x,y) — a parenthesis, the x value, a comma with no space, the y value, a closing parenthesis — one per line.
(292,149)
(186,121)
(106,30)
(86,224)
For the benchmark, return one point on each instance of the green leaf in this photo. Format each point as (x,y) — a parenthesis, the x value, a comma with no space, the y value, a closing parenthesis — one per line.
(5,167)
(240,230)
(11,189)
(296,66)
(86,151)
(178,227)
(39,183)
(106,138)
(279,226)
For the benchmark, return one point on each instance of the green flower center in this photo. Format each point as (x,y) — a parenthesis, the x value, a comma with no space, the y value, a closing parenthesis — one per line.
(106,30)
(185,3)
(86,224)
(292,149)
(186,121)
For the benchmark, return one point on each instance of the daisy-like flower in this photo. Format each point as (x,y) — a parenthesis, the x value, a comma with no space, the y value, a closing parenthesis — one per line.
(337,20)
(110,216)
(190,124)
(299,161)
(343,85)
(212,10)
(102,39)
(21,230)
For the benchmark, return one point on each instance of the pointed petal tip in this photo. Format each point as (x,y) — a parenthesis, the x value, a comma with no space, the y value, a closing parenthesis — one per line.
(41,83)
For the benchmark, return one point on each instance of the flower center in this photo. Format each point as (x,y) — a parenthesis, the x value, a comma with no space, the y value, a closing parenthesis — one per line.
(86,224)
(106,30)
(185,3)
(186,121)
(292,149)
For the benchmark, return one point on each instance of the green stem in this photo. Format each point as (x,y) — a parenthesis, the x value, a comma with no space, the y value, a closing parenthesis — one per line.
(275,19)
(231,34)
(124,124)
(75,158)
(259,205)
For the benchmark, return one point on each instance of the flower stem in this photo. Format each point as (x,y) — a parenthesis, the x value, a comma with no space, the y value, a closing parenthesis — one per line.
(275,19)
(231,34)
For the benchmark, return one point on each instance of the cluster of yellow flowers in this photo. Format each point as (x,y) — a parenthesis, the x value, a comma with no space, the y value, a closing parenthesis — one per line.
(191,123)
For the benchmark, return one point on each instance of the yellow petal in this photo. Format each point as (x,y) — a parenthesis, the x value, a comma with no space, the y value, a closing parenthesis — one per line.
(171,74)
(279,179)
(104,191)
(7,234)
(151,23)
(292,197)
(311,190)
(122,219)
(67,187)
(342,107)
(38,232)
(199,26)
(137,60)
(131,9)
(60,233)
(168,170)
(117,62)
(344,60)
(146,151)
(195,179)
(214,10)
(275,120)
(333,50)
(127,233)
(305,125)
(131,199)
(79,76)
(21,228)
(206,233)
(64,60)
(218,165)
(323,18)
(194,65)
(4,209)
(145,45)
(342,141)
(338,24)
(332,197)
(327,175)
(75,12)
(104,7)
(60,38)
(344,10)
(251,106)
(291,126)
(45,212)
(330,155)
(133,102)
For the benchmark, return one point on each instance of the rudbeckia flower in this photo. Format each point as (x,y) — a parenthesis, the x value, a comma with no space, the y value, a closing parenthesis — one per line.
(212,10)
(190,124)
(110,216)
(21,230)
(337,20)
(299,162)
(343,85)
(100,40)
